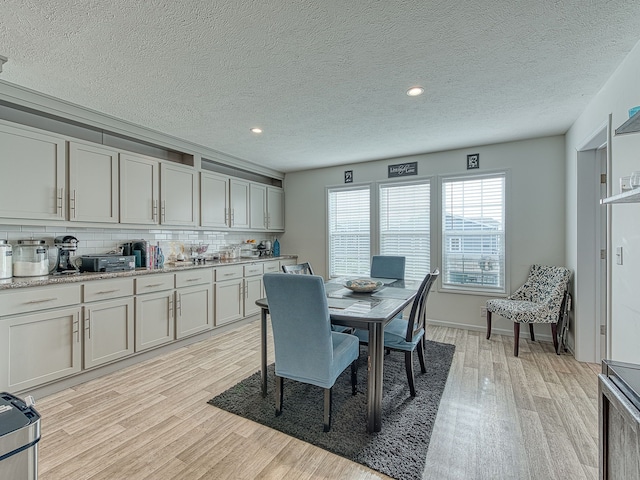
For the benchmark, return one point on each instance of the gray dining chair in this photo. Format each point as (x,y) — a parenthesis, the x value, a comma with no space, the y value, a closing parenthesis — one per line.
(406,335)
(300,268)
(387,266)
(306,350)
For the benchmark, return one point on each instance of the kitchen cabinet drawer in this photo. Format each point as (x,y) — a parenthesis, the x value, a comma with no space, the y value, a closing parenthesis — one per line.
(32,299)
(154,283)
(107,289)
(272,267)
(253,269)
(197,276)
(229,273)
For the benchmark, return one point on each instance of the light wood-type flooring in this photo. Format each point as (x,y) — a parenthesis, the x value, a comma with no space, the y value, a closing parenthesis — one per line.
(501,417)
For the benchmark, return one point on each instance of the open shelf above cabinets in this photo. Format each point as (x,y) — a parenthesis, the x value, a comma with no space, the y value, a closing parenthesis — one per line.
(630,196)
(630,126)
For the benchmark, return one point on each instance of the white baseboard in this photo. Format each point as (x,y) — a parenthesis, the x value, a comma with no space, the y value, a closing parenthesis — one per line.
(524,332)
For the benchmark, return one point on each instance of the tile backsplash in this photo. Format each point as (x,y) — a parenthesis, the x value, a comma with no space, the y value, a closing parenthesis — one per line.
(107,240)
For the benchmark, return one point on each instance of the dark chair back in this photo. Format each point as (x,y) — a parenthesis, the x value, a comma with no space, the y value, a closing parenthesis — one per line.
(300,268)
(387,266)
(418,314)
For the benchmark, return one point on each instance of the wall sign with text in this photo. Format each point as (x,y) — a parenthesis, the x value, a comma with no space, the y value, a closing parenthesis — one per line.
(403,169)
(348,176)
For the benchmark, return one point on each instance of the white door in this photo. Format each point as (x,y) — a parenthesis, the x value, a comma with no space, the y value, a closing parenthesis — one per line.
(239,194)
(258,213)
(275,208)
(214,200)
(178,191)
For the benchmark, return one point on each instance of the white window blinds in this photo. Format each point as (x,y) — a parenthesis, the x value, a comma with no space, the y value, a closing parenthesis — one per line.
(349,231)
(473,229)
(404,225)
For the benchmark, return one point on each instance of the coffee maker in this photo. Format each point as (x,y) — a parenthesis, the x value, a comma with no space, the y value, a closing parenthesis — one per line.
(65,245)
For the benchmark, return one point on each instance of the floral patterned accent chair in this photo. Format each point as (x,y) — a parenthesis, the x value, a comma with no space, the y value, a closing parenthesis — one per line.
(539,300)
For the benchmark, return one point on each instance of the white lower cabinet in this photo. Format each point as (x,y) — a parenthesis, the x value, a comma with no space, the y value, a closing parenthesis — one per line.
(229,306)
(155,319)
(108,331)
(194,303)
(253,289)
(38,348)
(236,290)
(108,318)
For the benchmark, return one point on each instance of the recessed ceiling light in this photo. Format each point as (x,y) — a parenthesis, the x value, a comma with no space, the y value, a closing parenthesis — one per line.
(256,130)
(415,91)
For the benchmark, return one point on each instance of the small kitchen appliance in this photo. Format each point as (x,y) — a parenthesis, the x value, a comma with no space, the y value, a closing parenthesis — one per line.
(107,263)
(65,245)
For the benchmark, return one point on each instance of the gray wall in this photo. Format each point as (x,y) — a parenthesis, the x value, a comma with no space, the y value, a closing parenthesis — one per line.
(535,214)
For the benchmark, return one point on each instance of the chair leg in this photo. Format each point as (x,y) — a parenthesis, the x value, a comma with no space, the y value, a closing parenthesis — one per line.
(554,334)
(516,335)
(279,391)
(354,377)
(488,324)
(408,363)
(420,347)
(327,409)
(533,337)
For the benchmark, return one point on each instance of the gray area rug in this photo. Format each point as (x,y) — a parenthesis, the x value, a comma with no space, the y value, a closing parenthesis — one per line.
(399,450)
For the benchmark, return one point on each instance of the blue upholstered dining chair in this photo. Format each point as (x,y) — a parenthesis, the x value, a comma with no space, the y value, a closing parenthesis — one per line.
(387,266)
(306,349)
(407,335)
(305,269)
(541,299)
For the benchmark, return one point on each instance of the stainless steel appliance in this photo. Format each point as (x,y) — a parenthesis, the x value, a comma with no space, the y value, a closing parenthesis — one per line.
(19,437)
(65,246)
(107,263)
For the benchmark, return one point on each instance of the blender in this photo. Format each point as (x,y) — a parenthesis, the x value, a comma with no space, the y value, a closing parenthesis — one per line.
(65,245)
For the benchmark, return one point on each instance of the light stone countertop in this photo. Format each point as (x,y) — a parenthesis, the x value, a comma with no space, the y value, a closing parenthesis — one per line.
(21,282)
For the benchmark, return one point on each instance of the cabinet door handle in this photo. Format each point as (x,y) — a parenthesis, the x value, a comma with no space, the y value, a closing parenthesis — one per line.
(72,202)
(193,279)
(179,305)
(170,308)
(76,327)
(59,203)
(43,300)
(233,216)
(87,323)
(104,292)
(154,210)
(152,285)
(227,219)
(163,210)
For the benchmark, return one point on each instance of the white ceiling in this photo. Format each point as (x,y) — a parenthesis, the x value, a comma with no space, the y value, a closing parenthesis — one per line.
(326,80)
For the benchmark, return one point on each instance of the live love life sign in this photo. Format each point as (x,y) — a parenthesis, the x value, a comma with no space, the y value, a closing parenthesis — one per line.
(403,169)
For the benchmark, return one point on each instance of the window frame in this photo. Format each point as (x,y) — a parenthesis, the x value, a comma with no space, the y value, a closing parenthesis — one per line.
(474,289)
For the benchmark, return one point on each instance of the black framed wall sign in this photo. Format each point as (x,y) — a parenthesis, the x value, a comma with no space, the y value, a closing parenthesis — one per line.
(348,176)
(473,161)
(403,169)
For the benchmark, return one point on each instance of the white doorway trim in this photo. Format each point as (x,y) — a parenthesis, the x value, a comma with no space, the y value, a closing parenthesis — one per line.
(591,277)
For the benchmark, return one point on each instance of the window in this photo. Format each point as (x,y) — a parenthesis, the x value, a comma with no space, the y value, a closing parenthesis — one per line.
(473,217)
(349,231)
(404,214)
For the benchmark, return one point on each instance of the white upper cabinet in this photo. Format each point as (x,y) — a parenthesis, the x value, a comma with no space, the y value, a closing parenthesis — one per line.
(139,189)
(214,200)
(179,192)
(239,195)
(93,183)
(275,208)
(32,183)
(258,213)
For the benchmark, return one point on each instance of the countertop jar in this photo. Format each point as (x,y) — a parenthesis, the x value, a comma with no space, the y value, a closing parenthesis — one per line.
(31,259)
(6,270)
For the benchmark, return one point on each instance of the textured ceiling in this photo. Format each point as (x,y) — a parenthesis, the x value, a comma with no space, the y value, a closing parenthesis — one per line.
(326,80)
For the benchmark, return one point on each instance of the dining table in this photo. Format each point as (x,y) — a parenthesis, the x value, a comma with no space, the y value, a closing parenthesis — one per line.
(367,310)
